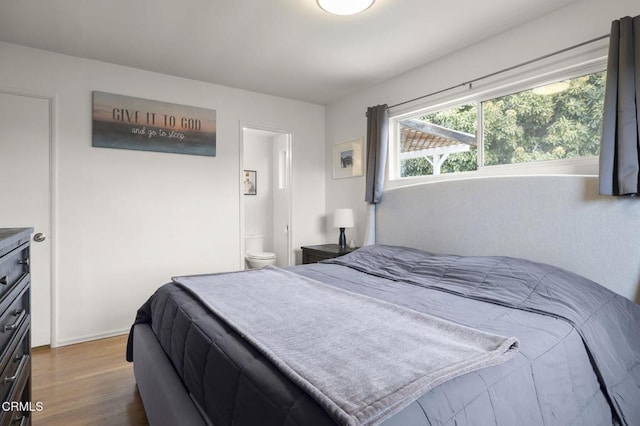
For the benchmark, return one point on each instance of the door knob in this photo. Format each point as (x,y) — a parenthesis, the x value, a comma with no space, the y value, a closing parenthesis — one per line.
(39,237)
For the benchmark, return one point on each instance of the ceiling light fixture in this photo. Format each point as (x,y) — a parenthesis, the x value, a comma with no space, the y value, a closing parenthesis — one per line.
(345,7)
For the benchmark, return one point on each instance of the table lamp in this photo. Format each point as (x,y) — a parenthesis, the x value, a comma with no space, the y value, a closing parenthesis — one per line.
(343,218)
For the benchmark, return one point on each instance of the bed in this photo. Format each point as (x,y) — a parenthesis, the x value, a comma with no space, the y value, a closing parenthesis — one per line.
(577,360)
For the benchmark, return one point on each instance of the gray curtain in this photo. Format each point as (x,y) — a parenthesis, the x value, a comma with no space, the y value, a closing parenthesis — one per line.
(377,141)
(620,144)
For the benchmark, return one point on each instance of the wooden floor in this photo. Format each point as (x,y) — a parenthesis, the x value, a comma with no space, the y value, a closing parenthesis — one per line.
(86,384)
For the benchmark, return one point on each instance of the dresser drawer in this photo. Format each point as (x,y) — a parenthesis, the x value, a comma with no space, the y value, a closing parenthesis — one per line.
(15,365)
(315,258)
(18,400)
(19,418)
(14,316)
(13,266)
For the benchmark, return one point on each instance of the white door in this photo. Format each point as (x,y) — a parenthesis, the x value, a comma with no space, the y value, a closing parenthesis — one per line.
(25,194)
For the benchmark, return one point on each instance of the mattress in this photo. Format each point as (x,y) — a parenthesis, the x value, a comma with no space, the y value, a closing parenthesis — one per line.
(557,377)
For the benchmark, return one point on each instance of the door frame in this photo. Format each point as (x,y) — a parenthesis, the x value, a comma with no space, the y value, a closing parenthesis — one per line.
(52,100)
(245,125)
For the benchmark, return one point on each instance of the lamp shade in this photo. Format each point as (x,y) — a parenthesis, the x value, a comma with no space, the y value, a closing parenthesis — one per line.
(343,218)
(344,7)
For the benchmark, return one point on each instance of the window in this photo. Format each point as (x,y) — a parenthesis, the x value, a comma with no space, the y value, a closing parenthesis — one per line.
(556,121)
(440,142)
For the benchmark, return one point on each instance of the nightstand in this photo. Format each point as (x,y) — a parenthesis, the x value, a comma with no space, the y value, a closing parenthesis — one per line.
(313,254)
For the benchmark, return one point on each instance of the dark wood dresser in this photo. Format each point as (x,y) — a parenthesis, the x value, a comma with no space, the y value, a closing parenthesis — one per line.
(15,323)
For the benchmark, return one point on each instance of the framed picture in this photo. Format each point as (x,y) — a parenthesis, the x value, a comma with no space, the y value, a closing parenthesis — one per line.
(348,159)
(249,181)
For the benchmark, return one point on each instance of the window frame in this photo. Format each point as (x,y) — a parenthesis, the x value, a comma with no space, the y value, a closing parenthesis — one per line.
(478,93)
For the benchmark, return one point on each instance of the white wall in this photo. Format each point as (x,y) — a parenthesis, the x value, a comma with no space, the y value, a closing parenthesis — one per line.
(129,220)
(345,119)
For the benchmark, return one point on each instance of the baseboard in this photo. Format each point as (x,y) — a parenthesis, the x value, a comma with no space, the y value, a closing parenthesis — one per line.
(90,337)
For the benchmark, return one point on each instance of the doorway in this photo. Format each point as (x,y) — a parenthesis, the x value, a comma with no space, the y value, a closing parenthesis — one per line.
(25,188)
(265,191)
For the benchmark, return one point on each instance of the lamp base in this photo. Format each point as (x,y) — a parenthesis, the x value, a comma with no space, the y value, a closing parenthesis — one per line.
(342,241)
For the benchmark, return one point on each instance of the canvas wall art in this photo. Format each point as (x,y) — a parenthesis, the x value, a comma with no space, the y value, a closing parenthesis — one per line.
(126,122)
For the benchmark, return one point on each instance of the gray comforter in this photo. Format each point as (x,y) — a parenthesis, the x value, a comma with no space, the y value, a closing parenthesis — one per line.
(608,323)
(361,358)
(578,364)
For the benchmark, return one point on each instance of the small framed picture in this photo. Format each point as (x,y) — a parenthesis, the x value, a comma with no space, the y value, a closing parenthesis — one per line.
(347,159)
(249,181)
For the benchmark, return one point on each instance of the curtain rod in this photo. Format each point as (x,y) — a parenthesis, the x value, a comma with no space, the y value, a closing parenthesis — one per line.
(470,82)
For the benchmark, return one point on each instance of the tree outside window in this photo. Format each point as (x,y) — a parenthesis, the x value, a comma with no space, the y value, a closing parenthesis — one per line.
(557,121)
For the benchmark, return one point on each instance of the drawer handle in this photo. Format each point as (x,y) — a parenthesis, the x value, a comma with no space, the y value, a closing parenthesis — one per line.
(17,322)
(4,280)
(24,361)
(11,379)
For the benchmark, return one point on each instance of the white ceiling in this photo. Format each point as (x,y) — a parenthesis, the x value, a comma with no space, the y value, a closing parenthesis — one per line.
(288,48)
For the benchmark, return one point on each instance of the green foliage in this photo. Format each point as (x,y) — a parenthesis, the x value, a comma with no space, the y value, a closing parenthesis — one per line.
(525,126)
(415,167)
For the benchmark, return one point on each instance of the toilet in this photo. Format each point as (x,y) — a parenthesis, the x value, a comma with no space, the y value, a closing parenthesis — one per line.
(255,256)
